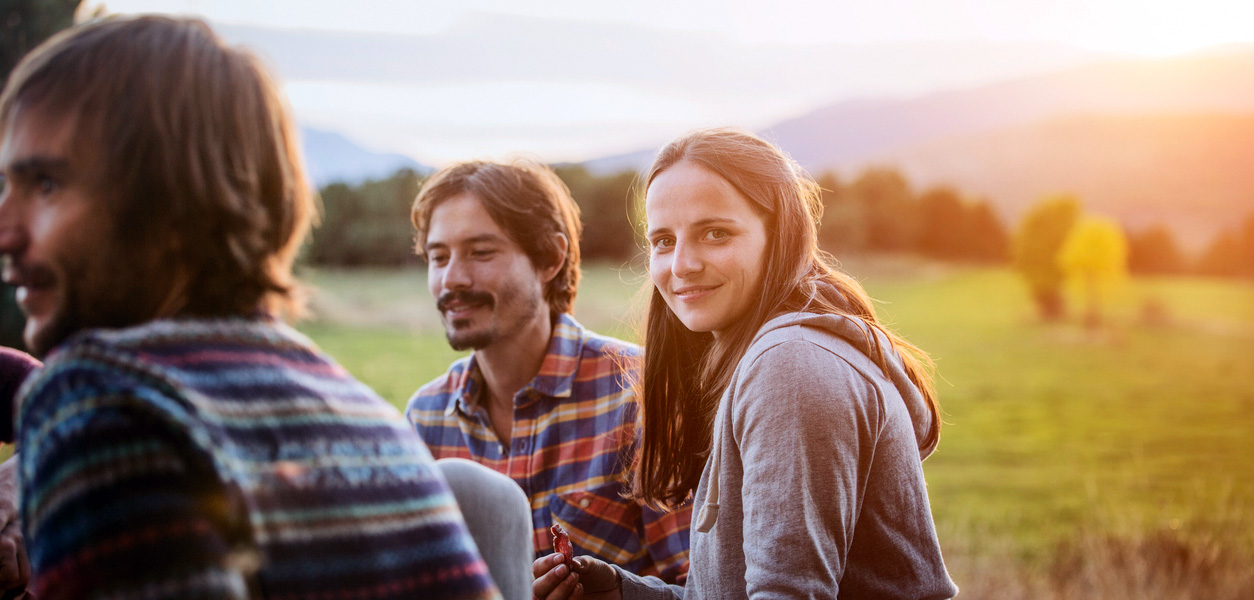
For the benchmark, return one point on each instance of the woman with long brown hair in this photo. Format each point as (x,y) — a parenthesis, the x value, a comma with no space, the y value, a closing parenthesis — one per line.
(772,397)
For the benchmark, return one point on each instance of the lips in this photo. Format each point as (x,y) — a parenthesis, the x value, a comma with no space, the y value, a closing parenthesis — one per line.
(33,282)
(28,279)
(692,293)
(457,303)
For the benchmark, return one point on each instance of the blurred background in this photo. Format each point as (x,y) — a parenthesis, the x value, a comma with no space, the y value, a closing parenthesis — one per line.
(1055,200)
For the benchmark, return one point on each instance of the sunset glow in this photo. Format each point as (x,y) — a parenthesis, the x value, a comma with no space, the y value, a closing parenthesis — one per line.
(571,79)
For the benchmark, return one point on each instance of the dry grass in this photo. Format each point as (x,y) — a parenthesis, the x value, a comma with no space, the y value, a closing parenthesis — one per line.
(1114,561)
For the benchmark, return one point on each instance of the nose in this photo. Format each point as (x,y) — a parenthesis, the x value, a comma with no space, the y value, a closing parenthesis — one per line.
(686,260)
(456,274)
(13,236)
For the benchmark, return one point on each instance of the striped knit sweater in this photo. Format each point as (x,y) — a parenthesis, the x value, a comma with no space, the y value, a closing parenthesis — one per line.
(228,459)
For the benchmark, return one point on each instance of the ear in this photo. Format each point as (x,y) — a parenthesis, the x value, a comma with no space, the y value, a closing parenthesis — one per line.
(561,247)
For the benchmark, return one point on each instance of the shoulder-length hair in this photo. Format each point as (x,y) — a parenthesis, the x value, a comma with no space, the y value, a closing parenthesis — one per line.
(677,408)
(525,199)
(196,152)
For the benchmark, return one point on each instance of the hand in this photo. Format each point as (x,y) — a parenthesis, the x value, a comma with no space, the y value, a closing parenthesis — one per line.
(14,566)
(592,580)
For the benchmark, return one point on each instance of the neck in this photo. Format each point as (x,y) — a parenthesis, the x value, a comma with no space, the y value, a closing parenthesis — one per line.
(513,361)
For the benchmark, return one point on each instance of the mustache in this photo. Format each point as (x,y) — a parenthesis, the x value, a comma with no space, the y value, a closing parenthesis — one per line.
(469,297)
(20,273)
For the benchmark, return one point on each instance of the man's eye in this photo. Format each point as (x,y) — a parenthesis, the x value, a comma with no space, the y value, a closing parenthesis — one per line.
(46,185)
(483,253)
(437,259)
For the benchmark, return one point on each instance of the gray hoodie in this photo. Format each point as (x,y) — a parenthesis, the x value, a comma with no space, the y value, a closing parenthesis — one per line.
(814,487)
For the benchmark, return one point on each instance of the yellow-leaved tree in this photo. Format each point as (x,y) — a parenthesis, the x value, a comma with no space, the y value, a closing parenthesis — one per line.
(1037,242)
(1095,258)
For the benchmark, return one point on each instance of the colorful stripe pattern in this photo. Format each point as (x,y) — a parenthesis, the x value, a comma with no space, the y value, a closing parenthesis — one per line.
(229,459)
(574,427)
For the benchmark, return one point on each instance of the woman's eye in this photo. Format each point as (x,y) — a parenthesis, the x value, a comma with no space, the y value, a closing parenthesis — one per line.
(663,243)
(716,235)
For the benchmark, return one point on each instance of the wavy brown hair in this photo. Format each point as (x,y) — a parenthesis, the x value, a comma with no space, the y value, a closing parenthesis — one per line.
(195,148)
(685,373)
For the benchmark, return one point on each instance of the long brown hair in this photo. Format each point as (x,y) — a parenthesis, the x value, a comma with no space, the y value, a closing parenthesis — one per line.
(685,373)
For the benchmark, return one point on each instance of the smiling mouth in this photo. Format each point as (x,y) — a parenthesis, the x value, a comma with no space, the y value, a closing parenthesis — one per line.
(455,311)
(693,292)
(27,279)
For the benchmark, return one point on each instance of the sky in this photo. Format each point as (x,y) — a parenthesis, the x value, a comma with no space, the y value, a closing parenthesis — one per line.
(569,80)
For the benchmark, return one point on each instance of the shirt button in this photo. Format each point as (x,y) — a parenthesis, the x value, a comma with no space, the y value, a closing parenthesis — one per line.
(585,503)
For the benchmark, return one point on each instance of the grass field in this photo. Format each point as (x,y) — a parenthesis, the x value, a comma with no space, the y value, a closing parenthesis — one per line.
(1130,446)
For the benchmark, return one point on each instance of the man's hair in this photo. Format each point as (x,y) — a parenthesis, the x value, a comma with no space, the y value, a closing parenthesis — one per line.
(196,153)
(525,199)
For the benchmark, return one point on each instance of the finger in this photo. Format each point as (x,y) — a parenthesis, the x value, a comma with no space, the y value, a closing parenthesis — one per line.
(544,564)
(548,585)
(595,576)
(10,570)
(23,564)
(565,588)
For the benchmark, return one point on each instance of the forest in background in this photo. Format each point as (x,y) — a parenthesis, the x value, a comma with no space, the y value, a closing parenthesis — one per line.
(876,211)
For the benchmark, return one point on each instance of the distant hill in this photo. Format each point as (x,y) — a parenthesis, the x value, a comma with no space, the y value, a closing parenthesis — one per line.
(849,133)
(1192,172)
(331,157)
(1165,140)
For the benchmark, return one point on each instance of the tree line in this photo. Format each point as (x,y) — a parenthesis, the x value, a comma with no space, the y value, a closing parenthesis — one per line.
(368,223)
(878,211)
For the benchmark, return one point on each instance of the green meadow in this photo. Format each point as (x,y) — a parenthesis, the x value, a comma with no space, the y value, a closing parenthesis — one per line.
(1061,448)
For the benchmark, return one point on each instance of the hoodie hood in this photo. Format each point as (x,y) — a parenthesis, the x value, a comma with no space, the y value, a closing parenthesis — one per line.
(858,334)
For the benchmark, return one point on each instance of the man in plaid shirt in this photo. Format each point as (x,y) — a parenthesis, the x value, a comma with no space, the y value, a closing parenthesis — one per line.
(540,399)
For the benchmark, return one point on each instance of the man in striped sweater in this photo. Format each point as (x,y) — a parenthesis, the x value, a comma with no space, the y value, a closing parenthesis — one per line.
(180,441)
(541,399)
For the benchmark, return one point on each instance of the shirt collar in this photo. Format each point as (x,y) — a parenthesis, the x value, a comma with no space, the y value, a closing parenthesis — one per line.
(555,379)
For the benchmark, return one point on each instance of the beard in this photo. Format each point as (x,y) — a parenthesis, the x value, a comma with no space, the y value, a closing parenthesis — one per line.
(511,313)
(108,288)
(458,331)
(471,340)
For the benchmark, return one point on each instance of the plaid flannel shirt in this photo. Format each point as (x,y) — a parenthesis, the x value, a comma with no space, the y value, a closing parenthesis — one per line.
(572,439)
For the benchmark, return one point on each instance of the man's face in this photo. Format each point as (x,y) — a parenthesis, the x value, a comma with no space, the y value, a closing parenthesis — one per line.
(485,285)
(56,234)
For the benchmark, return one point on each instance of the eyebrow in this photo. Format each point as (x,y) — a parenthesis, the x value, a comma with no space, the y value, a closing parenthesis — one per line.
(478,239)
(700,223)
(29,166)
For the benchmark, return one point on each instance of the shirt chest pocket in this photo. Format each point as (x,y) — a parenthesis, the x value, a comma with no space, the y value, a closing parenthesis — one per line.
(600,522)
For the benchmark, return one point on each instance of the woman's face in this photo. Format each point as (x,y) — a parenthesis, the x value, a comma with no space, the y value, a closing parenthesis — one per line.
(707,247)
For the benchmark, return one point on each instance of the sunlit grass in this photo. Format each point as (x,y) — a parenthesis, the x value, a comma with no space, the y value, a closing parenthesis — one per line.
(1052,435)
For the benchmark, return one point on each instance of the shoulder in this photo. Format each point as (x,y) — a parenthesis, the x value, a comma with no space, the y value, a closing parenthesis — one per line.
(436,393)
(597,344)
(589,344)
(608,361)
(90,364)
(623,354)
(806,338)
(95,400)
(801,360)
(102,372)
